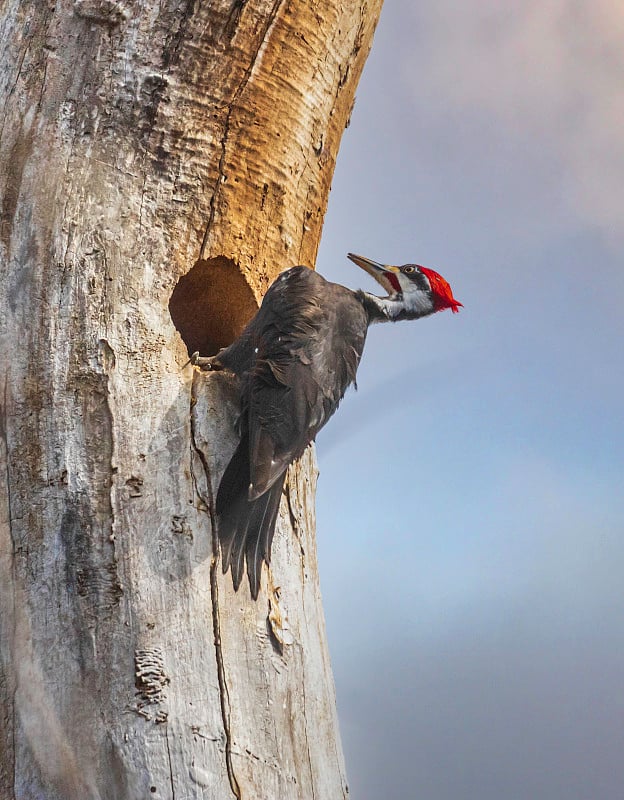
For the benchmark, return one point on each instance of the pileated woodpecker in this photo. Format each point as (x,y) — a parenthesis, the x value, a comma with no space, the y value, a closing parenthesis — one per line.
(295,360)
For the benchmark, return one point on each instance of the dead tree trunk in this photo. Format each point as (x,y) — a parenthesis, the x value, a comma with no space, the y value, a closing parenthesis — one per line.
(160,163)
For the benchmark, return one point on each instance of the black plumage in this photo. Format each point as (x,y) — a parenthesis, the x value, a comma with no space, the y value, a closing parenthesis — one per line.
(295,360)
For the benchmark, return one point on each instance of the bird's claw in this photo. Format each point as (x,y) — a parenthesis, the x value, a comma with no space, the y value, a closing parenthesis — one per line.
(203,362)
(192,360)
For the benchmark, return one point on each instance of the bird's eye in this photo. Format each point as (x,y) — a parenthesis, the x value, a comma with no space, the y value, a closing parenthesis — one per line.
(408,269)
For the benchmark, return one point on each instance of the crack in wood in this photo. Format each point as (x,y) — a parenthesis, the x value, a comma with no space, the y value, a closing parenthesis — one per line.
(5,444)
(173,794)
(233,17)
(302,654)
(294,521)
(224,696)
(307,740)
(12,90)
(171,49)
(43,84)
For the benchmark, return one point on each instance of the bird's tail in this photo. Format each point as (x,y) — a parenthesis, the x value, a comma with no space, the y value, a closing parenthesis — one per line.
(245,527)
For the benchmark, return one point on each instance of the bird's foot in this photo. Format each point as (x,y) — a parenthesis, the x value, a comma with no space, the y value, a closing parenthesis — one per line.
(210,363)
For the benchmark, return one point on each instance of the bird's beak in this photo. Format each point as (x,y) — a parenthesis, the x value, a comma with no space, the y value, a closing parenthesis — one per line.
(382,273)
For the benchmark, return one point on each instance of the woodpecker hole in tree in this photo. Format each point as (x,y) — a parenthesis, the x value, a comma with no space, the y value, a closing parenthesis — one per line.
(211,305)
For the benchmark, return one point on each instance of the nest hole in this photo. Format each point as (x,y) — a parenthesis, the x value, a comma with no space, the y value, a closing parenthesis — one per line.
(211,305)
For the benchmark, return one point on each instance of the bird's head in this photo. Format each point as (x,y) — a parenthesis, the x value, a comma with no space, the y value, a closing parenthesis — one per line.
(413,291)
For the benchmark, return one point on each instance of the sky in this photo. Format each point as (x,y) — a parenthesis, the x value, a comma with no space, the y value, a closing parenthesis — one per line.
(471,496)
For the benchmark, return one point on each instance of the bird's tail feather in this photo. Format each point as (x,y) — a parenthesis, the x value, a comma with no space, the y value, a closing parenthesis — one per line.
(235,481)
(258,546)
(245,527)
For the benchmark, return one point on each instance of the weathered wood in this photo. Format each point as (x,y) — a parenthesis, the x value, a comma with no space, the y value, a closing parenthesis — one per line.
(140,142)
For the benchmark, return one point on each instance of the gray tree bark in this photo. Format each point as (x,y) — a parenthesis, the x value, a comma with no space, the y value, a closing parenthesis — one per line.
(160,163)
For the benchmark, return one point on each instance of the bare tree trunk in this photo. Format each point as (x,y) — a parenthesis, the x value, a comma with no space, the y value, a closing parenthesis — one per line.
(161,162)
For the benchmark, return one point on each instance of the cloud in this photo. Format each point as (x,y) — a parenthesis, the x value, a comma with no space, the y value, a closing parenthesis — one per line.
(488,714)
(547,74)
(489,667)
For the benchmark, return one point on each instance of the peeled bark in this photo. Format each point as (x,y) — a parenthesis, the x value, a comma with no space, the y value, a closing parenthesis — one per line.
(161,162)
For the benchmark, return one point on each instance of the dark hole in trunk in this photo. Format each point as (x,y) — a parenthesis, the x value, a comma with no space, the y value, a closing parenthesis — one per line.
(211,305)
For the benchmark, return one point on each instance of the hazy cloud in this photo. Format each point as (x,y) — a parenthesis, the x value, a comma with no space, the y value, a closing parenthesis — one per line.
(548,74)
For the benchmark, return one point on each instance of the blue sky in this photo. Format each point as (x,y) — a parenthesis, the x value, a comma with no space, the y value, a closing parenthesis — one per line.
(471,498)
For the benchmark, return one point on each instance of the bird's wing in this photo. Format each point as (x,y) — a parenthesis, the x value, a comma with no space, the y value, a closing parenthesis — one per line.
(309,339)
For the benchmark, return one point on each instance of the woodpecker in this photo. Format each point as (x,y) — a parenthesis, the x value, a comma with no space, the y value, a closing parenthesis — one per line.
(295,360)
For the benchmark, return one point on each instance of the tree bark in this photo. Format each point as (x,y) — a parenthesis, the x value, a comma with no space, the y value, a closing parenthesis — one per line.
(161,162)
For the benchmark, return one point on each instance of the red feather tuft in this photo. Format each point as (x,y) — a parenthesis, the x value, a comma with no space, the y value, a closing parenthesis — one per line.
(442,292)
